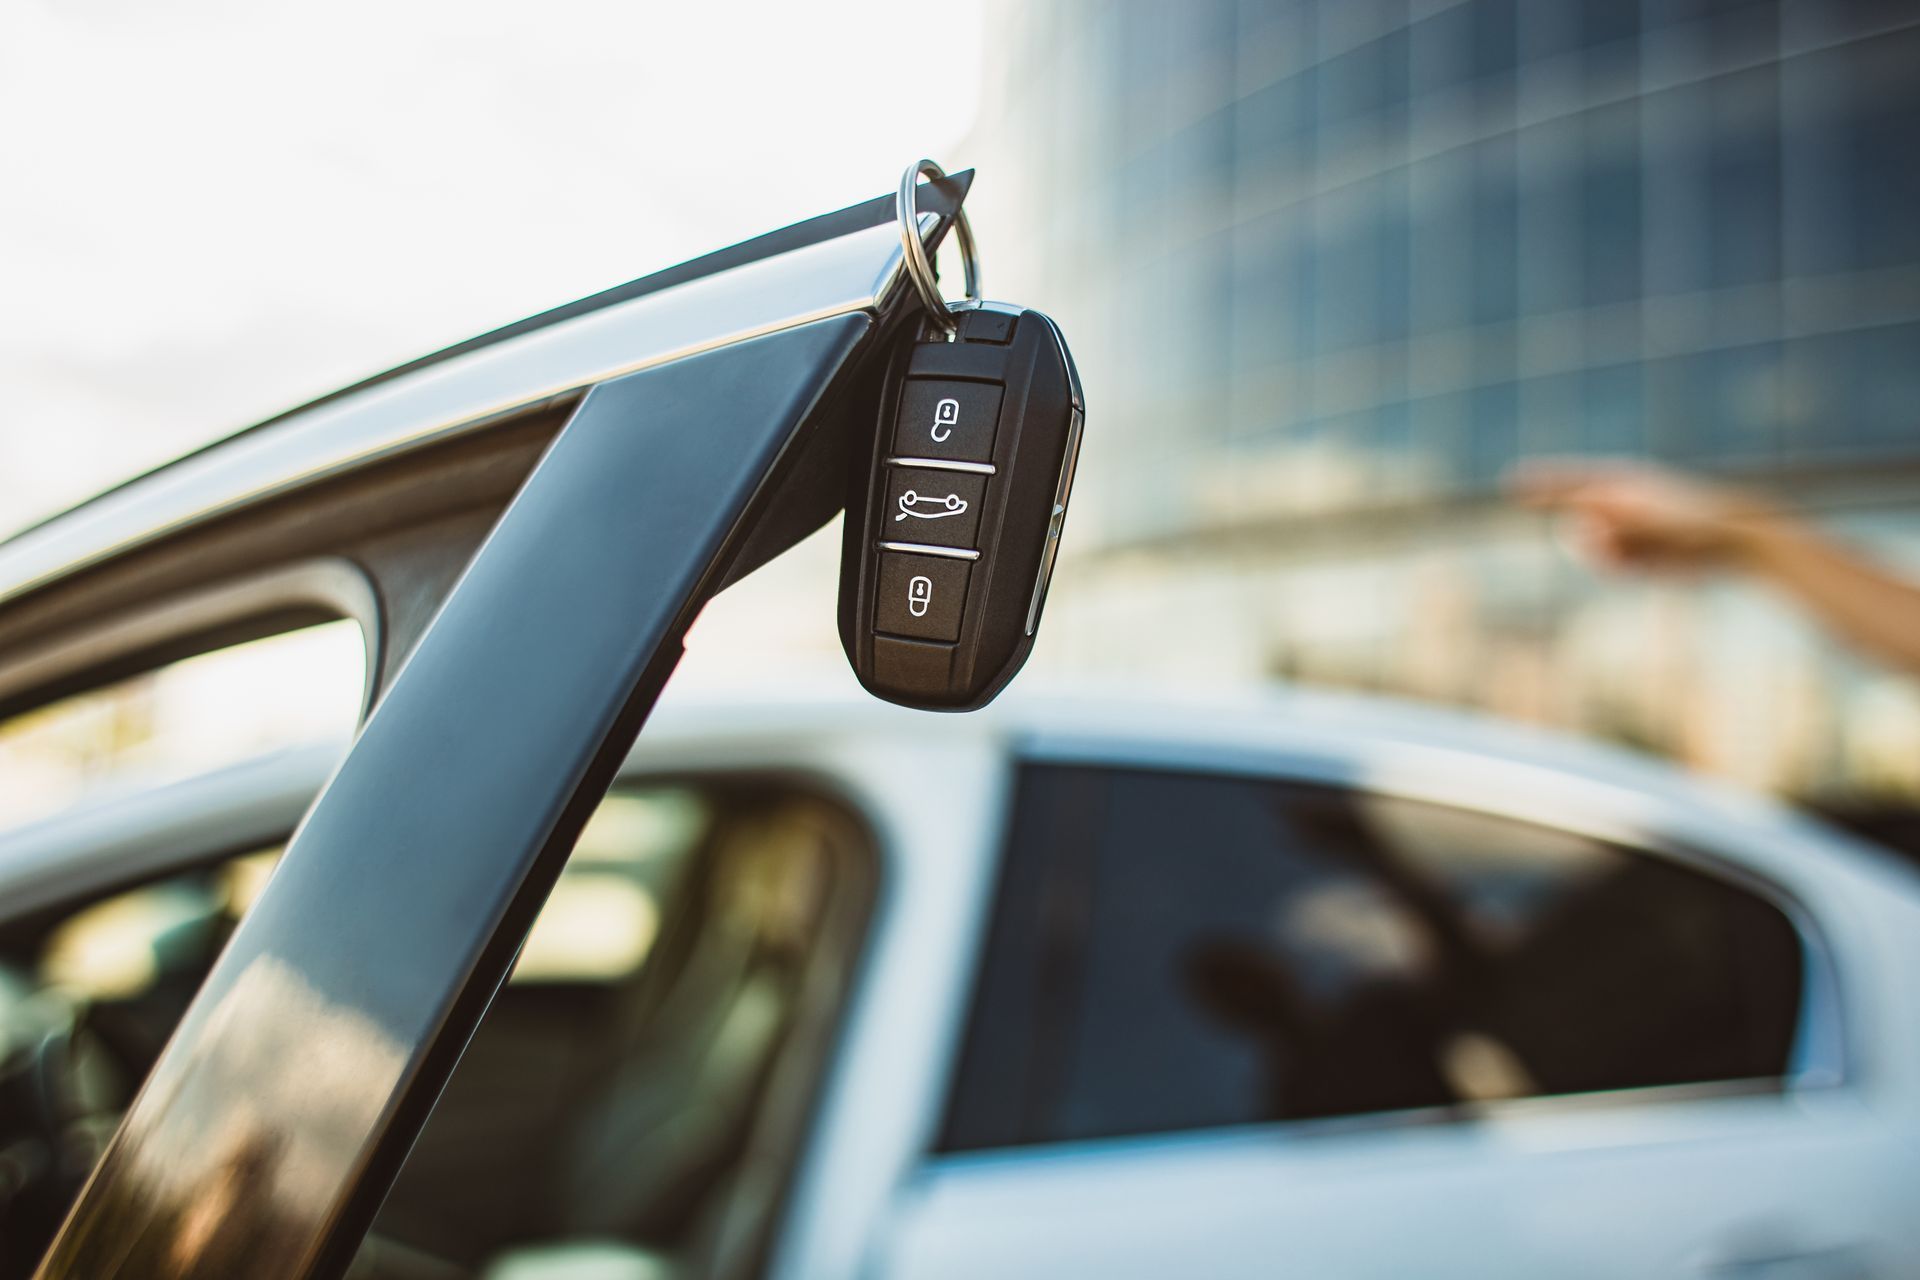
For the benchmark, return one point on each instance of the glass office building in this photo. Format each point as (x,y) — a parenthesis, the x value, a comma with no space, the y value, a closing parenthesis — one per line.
(1331,268)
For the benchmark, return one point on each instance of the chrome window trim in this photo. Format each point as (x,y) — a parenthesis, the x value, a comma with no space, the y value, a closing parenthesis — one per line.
(463,392)
(1285,1134)
(1510,789)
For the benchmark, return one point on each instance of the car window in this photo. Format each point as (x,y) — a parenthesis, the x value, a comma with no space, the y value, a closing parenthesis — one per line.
(184,718)
(631,1100)
(1178,951)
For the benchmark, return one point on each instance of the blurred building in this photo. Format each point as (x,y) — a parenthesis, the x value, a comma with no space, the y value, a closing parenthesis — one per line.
(1331,267)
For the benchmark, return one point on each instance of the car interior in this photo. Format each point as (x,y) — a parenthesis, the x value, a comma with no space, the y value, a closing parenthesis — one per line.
(634,1100)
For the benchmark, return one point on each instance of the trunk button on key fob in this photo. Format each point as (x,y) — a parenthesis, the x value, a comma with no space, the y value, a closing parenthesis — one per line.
(934,508)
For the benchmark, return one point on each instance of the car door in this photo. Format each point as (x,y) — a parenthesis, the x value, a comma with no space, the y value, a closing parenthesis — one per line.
(525,525)
(634,1100)
(1243,1025)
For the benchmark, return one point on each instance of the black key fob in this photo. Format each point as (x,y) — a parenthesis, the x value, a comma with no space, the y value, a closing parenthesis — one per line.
(950,542)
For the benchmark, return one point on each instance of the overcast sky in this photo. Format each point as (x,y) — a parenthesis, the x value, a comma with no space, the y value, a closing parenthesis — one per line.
(211,211)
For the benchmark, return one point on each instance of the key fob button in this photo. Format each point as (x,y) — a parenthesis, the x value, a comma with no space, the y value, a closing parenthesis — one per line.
(912,663)
(946,420)
(935,508)
(920,596)
(985,326)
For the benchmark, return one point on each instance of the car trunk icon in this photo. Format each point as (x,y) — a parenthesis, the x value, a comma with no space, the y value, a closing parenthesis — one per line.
(951,505)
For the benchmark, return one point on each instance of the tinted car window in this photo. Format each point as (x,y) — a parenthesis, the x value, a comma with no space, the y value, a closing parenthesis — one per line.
(1179,951)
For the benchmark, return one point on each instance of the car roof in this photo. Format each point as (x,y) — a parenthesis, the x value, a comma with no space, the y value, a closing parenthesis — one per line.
(472,387)
(1108,720)
(798,235)
(1374,743)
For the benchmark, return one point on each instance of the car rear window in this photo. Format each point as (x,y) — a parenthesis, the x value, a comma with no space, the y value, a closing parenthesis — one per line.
(1178,951)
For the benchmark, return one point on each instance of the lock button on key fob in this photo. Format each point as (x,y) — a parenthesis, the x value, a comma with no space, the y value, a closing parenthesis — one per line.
(920,596)
(953,526)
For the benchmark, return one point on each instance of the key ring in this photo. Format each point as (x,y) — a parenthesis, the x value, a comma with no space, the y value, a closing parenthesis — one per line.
(919,267)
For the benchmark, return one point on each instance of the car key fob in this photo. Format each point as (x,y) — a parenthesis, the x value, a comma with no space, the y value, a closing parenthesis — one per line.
(952,531)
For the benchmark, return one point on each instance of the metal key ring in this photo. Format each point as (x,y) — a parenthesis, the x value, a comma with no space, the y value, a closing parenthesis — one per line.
(919,266)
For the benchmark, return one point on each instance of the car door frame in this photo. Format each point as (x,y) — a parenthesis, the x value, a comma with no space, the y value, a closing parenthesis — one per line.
(725,395)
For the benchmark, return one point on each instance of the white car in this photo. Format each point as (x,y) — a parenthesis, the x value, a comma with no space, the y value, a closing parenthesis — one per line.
(1105,987)
(1095,988)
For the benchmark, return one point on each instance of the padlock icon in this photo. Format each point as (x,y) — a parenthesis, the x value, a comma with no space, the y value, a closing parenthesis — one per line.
(946,416)
(919,595)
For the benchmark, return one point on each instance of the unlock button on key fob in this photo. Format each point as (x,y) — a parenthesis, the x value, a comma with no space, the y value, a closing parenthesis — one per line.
(920,596)
(942,418)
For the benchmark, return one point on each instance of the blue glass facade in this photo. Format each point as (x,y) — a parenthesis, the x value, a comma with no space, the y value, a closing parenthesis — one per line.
(1333,267)
(1447,235)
